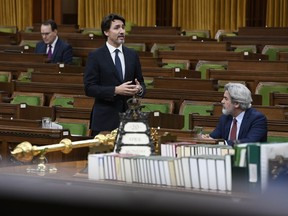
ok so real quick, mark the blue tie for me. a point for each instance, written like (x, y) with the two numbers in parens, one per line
(118, 64)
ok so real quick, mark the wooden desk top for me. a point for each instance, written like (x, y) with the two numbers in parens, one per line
(66, 191)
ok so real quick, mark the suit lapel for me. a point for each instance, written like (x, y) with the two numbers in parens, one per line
(127, 65)
(244, 123)
(56, 48)
(227, 127)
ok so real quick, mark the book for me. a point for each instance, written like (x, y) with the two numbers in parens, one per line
(119, 165)
(109, 168)
(212, 176)
(170, 173)
(203, 173)
(221, 174)
(150, 164)
(228, 172)
(96, 166)
(170, 149)
(186, 172)
(167, 164)
(162, 172)
(118, 168)
(240, 157)
(157, 171)
(178, 172)
(194, 172)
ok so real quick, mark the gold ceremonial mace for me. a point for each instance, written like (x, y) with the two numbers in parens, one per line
(25, 151)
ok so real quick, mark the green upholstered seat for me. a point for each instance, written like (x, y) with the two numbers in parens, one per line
(277, 139)
(30, 100)
(150, 107)
(157, 46)
(148, 82)
(188, 108)
(206, 66)
(63, 102)
(24, 76)
(245, 49)
(139, 47)
(222, 32)
(128, 27)
(272, 50)
(175, 65)
(198, 33)
(9, 29)
(79, 129)
(94, 31)
(222, 83)
(160, 105)
(4, 78)
(265, 88)
(30, 43)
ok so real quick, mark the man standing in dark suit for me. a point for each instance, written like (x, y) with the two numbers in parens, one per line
(250, 124)
(58, 50)
(110, 81)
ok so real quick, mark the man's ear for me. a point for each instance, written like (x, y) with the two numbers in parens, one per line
(236, 105)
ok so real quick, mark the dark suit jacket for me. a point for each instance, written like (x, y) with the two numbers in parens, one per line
(100, 79)
(62, 52)
(253, 128)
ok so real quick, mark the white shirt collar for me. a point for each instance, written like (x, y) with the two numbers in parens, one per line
(239, 118)
(54, 42)
(112, 48)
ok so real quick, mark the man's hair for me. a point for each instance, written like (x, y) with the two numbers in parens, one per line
(107, 20)
(50, 22)
(239, 93)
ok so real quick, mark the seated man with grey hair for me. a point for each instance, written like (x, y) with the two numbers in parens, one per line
(239, 123)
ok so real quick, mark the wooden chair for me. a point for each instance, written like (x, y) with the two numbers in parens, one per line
(278, 98)
(195, 107)
(197, 33)
(176, 63)
(82, 101)
(222, 83)
(5, 76)
(63, 100)
(9, 29)
(91, 31)
(161, 46)
(202, 66)
(272, 50)
(245, 48)
(161, 105)
(139, 47)
(30, 98)
(29, 43)
(265, 88)
(77, 127)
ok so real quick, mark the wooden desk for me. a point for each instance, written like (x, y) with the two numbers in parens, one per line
(65, 191)
(28, 130)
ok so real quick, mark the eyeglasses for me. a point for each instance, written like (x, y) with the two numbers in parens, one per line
(45, 33)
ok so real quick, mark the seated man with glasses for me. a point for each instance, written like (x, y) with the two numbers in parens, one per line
(58, 50)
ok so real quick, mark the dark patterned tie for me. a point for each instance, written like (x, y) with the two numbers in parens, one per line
(118, 64)
(233, 130)
(49, 51)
